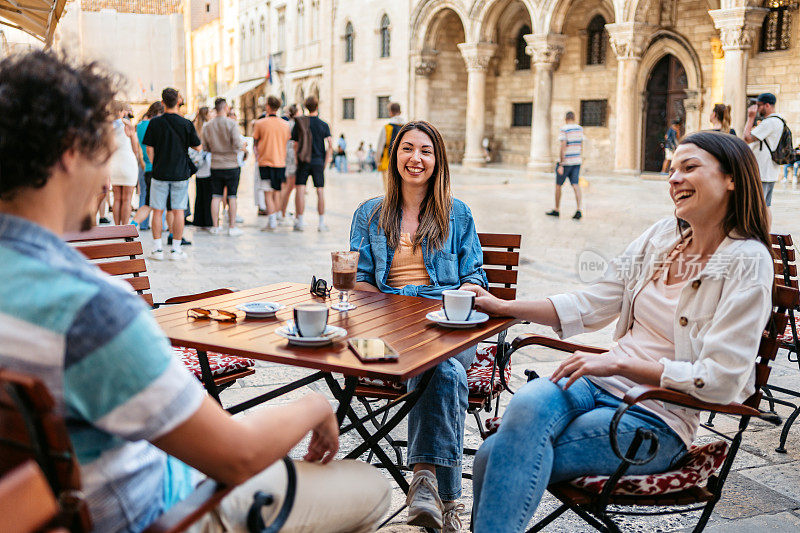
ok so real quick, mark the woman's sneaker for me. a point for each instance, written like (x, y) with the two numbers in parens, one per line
(424, 504)
(158, 255)
(451, 518)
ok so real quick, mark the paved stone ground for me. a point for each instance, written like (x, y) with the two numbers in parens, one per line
(763, 493)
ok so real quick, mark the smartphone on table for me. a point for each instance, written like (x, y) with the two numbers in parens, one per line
(373, 350)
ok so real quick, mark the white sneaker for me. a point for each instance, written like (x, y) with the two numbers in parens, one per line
(158, 255)
(299, 227)
(235, 232)
(451, 518)
(216, 230)
(424, 503)
(239, 219)
(323, 227)
(177, 255)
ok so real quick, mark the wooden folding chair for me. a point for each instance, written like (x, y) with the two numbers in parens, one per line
(117, 251)
(30, 430)
(488, 375)
(27, 505)
(695, 484)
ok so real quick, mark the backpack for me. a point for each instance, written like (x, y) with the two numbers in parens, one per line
(391, 133)
(784, 153)
(304, 140)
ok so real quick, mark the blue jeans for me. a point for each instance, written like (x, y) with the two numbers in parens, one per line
(549, 435)
(436, 423)
(145, 225)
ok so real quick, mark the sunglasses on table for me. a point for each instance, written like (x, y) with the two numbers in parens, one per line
(212, 314)
(319, 287)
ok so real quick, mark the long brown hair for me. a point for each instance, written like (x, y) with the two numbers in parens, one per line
(723, 114)
(155, 109)
(201, 119)
(434, 213)
(746, 216)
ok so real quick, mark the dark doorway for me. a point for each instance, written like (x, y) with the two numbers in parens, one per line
(665, 92)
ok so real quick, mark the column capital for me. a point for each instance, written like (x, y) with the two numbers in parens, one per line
(627, 39)
(477, 55)
(738, 26)
(545, 49)
(424, 63)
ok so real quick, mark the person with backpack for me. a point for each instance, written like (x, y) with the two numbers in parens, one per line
(386, 138)
(771, 141)
(314, 148)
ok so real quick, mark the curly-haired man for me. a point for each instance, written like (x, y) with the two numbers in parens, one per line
(137, 419)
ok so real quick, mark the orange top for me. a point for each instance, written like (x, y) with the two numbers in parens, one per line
(271, 135)
(408, 265)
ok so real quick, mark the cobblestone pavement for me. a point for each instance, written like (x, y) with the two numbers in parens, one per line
(762, 493)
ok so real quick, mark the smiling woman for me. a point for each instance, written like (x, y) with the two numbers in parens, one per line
(419, 241)
(690, 296)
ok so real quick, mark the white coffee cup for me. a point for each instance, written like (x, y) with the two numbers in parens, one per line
(310, 319)
(458, 305)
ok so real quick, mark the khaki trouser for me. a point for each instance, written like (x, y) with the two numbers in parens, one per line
(343, 496)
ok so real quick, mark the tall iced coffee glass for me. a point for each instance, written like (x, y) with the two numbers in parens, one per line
(344, 266)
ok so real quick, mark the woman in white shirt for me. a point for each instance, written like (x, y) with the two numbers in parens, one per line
(692, 295)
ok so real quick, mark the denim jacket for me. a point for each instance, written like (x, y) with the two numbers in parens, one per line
(458, 262)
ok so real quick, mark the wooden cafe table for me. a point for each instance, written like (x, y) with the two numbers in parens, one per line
(399, 320)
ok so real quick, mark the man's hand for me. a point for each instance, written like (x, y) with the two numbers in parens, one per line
(486, 302)
(324, 440)
(586, 364)
(752, 111)
(560, 170)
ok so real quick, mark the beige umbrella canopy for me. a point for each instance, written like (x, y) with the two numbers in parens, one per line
(36, 17)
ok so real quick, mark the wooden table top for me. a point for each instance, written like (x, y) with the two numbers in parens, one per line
(399, 320)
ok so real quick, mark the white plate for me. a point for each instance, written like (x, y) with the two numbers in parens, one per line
(331, 333)
(476, 318)
(260, 309)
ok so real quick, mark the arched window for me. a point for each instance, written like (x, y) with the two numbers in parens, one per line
(243, 44)
(252, 39)
(596, 41)
(349, 38)
(386, 42)
(262, 37)
(522, 60)
(776, 30)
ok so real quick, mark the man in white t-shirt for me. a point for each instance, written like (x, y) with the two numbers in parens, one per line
(763, 139)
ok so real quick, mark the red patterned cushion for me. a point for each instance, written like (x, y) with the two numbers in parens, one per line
(479, 373)
(787, 336)
(492, 425)
(220, 364)
(700, 463)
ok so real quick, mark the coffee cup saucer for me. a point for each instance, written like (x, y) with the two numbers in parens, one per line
(289, 332)
(260, 309)
(440, 318)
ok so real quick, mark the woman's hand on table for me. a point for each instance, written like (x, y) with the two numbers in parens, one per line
(486, 302)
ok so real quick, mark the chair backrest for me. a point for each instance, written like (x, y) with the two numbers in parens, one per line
(118, 252)
(27, 503)
(783, 299)
(501, 262)
(30, 429)
(784, 257)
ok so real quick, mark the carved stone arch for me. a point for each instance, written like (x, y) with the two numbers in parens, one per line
(556, 16)
(485, 15)
(427, 14)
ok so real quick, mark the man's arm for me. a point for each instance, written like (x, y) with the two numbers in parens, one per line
(151, 153)
(562, 151)
(328, 151)
(747, 135)
(234, 450)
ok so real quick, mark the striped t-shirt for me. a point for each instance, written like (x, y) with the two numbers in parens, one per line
(573, 134)
(108, 365)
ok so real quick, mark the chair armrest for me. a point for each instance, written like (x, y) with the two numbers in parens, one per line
(183, 514)
(541, 340)
(640, 393)
(186, 298)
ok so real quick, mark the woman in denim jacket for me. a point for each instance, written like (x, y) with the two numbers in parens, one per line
(419, 241)
(691, 297)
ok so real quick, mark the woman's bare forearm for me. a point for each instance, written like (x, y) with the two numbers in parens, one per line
(537, 311)
(365, 286)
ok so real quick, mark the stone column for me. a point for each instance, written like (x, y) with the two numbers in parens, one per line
(545, 51)
(476, 57)
(424, 66)
(738, 27)
(627, 41)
